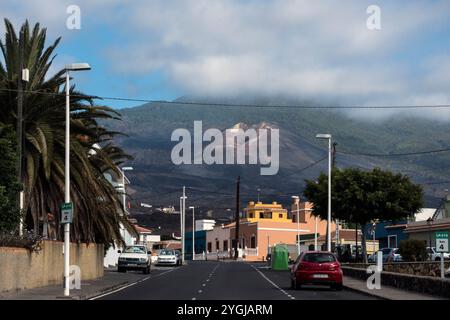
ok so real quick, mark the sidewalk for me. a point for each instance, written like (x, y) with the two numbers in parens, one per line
(386, 292)
(110, 281)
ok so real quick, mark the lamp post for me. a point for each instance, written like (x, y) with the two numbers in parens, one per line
(315, 234)
(193, 232)
(71, 67)
(328, 137)
(183, 222)
(297, 201)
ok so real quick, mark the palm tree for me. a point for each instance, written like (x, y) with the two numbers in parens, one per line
(97, 208)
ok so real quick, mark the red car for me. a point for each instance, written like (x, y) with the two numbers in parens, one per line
(316, 267)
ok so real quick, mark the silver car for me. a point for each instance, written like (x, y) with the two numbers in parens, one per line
(168, 258)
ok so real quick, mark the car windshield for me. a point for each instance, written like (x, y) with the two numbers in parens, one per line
(166, 253)
(319, 257)
(134, 249)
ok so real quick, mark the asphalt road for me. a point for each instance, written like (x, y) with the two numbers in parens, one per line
(212, 280)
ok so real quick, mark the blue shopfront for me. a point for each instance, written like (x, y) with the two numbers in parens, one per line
(389, 234)
(200, 243)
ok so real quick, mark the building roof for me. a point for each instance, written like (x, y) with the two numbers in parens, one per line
(347, 234)
(423, 226)
(140, 229)
(424, 214)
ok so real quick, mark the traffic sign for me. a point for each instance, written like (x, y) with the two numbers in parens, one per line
(66, 213)
(442, 241)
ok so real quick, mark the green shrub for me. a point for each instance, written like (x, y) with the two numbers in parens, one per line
(413, 250)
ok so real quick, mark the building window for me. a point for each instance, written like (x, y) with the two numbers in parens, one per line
(209, 246)
(217, 245)
(280, 215)
(392, 241)
(251, 215)
(225, 245)
(253, 242)
(265, 215)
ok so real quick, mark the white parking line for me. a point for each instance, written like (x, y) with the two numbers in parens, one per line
(272, 283)
(131, 284)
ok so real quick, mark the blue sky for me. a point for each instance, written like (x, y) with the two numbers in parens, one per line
(318, 49)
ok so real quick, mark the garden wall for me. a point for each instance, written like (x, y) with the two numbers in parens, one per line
(20, 269)
(427, 285)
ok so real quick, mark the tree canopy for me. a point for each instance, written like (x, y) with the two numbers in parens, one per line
(9, 186)
(97, 207)
(362, 196)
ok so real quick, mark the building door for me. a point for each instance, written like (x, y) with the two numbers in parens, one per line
(392, 241)
(253, 242)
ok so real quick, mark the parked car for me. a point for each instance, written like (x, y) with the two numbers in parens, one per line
(436, 256)
(168, 257)
(135, 257)
(317, 267)
(389, 255)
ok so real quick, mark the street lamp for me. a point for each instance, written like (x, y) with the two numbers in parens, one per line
(297, 201)
(71, 67)
(182, 222)
(328, 137)
(193, 232)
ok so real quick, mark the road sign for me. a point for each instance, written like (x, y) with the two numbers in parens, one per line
(66, 213)
(442, 241)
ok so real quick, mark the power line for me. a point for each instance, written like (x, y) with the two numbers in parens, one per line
(224, 104)
(394, 154)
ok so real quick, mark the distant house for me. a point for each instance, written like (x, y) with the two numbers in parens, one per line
(426, 228)
(390, 233)
(262, 226)
(146, 236)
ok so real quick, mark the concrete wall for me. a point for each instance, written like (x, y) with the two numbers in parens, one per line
(425, 268)
(20, 269)
(428, 285)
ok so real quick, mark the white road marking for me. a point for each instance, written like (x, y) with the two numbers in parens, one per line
(272, 283)
(131, 284)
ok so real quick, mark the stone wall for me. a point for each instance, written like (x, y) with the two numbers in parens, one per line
(20, 269)
(425, 268)
(426, 285)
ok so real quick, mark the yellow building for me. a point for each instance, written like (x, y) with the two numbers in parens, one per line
(265, 212)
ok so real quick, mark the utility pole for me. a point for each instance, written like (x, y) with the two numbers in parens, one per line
(333, 165)
(236, 253)
(184, 224)
(21, 76)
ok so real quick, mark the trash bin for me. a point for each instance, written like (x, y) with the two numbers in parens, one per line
(280, 257)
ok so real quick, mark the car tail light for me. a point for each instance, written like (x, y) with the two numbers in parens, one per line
(334, 266)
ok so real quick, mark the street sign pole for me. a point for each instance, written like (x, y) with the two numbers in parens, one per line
(442, 246)
(66, 220)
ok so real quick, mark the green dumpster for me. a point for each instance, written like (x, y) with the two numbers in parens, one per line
(280, 257)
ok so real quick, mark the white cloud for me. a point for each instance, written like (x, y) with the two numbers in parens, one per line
(302, 48)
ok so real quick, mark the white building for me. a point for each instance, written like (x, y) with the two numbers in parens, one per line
(119, 182)
(204, 224)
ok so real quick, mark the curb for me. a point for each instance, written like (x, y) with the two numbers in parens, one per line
(365, 292)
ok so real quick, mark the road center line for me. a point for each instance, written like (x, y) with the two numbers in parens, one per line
(131, 284)
(272, 283)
